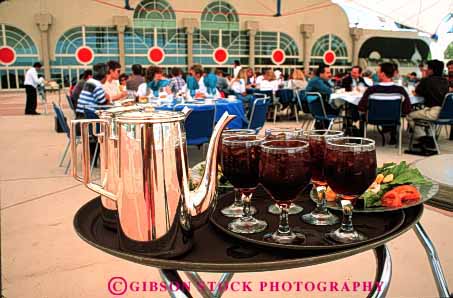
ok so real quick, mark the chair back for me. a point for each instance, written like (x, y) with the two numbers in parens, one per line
(70, 103)
(199, 124)
(447, 107)
(61, 118)
(258, 114)
(384, 109)
(316, 105)
(269, 95)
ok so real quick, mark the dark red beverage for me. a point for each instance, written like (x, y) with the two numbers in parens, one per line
(350, 168)
(240, 160)
(285, 168)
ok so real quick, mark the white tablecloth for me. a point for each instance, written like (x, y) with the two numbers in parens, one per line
(337, 99)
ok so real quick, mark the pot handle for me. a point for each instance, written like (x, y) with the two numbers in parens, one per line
(85, 142)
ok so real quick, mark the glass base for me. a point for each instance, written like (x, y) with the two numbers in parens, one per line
(346, 237)
(319, 218)
(294, 238)
(247, 226)
(236, 211)
(293, 209)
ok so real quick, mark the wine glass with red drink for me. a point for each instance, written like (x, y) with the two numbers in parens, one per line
(236, 209)
(284, 172)
(240, 161)
(317, 139)
(349, 168)
(283, 133)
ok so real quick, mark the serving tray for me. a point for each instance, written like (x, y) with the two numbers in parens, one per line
(375, 226)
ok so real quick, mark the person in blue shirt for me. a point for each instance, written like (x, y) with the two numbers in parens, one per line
(320, 83)
(154, 82)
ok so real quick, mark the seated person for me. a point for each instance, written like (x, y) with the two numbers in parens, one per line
(320, 83)
(297, 80)
(93, 96)
(269, 82)
(412, 78)
(386, 85)
(123, 81)
(367, 76)
(154, 83)
(450, 75)
(238, 87)
(222, 82)
(135, 79)
(432, 88)
(87, 74)
(196, 83)
(177, 83)
(251, 79)
(353, 80)
(112, 85)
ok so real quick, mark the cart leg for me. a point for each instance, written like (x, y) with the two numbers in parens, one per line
(383, 272)
(434, 261)
(172, 277)
(204, 290)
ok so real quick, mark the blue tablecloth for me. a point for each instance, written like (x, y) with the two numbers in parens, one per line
(232, 107)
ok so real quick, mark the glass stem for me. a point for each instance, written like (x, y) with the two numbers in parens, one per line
(283, 227)
(247, 201)
(237, 198)
(346, 224)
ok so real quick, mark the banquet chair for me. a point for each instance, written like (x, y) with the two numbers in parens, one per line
(71, 104)
(385, 110)
(198, 132)
(299, 95)
(62, 121)
(286, 98)
(271, 100)
(318, 111)
(258, 114)
(445, 118)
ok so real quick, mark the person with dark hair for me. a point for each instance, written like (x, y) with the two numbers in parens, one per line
(31, 84)
(421, 70)
(450, 75)
(154, 83)
(385, 73)
(320, 83)
(87, 74)
(112, 85)
(433, 89)
(412, 77)
(354, 79)
(177, 83)
(123, 81)
(236, 68)
(222, 82)
(136, 79)
(93, 96)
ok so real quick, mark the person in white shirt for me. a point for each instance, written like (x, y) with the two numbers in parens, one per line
(269, 82)
(238, 86)
(236, 68)
(31, 83)
(112, 85)
(297, 80)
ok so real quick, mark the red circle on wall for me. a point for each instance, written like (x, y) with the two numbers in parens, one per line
(156, 55)
(278, 56)
(84, 55)
(220, 55)
(7, 55)
(329, 57)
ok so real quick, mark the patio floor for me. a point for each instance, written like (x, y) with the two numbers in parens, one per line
(41, 255)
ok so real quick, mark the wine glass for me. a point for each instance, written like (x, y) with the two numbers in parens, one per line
(317, 140)
(283, 133)
(236, 209)
(284, 171)
(240, 158)
(349, 168)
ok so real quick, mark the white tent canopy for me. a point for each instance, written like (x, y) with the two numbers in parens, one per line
(423, 15)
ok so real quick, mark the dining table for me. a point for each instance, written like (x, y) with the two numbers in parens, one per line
(337, 99)
(232, 106)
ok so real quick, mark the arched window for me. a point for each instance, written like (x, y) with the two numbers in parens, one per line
(17, 53)
(219, 15)
(267, 42)
(329, 43)
(102, 42)
(154, 14)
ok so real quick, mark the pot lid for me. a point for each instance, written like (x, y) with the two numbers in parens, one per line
(118, 110)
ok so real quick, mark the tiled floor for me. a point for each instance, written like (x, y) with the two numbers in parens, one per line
(43, 257)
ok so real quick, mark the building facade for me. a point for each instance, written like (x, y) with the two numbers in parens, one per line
(70, 36)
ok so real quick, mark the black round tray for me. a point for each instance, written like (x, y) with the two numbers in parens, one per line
(374, 226)
(217, 252)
